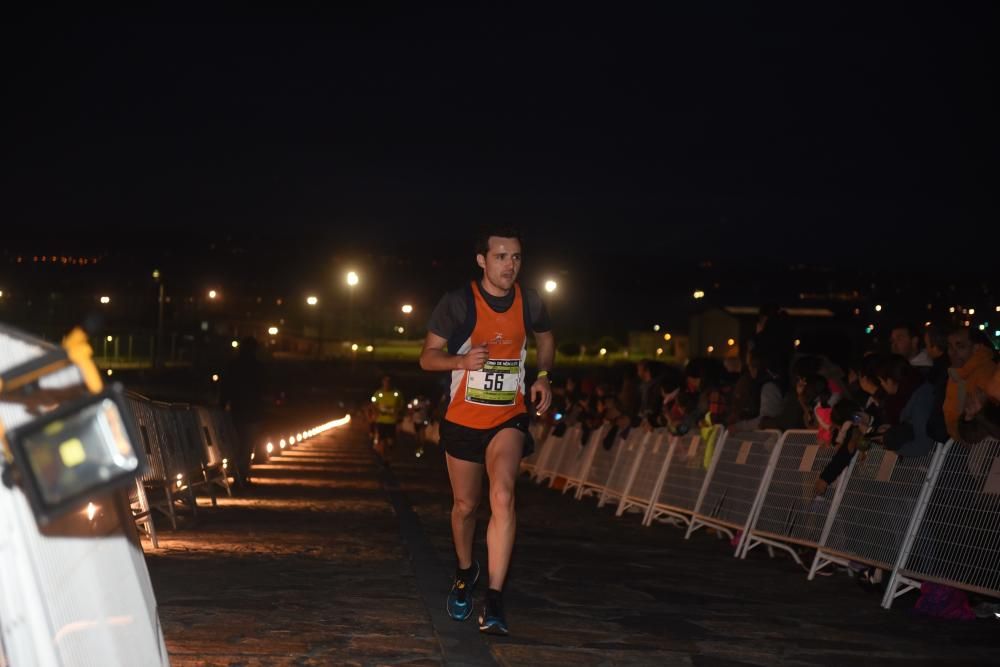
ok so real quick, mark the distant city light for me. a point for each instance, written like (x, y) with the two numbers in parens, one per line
(354, 347)
(667, 336)
(797, 342)
(870, 328)
(312, 301)
(212, 294)
(659, 351)
(156, 274)
(369, 348)
(972, 311)
(110, 372)
(604, 351)
(215, 377)
(952, 309)
(698, 294)
(273, 331)
(235, 344)
(656, 327)
(105, 299)
(982, 327)
(109, 338)
(551, 285)
(730, 342)
(407, 308)
(352, 278)
(711, 349)
(878, 308)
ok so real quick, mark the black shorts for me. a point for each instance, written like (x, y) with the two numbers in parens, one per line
(385, 430)
(469, 444)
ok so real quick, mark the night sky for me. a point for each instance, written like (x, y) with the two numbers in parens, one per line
(709, 130)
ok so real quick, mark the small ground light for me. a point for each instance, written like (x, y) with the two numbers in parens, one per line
(215, 377)
(282, 443)
(270, 447)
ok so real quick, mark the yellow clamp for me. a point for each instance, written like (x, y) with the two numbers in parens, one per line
(82, 355)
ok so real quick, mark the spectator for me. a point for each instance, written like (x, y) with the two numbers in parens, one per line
(972, 369)
(904, 340)
(241, 393)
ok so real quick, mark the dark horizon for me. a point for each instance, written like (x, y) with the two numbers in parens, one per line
(815, 135)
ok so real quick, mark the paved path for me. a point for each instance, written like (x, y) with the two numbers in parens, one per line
(330, 561)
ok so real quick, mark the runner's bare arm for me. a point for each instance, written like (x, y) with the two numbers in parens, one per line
(435, 356)
(541, 391)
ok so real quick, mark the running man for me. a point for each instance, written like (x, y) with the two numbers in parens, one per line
(479, 333)
(387, 407)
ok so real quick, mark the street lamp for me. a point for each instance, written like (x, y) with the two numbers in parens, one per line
(352, 281)
(212, 294)
(105, 300)
(407, 309)
(550, 286)
(311, 300)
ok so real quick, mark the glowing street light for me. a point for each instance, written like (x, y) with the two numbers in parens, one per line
(212, 294)
(656, 327)
(550, 286)
(235, 344)
(105, 300)
(273, 331)
(667, 336)
(407, 308)
(878, 308)
(698, 294)
(311, 300)
(354, 347)
(369, 348)
(352, 278)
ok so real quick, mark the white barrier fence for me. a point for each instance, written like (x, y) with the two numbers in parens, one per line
(932, 518)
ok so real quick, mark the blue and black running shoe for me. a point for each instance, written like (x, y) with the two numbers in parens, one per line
(492, 620)
(460, 595)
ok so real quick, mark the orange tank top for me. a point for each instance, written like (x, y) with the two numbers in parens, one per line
(488, 397)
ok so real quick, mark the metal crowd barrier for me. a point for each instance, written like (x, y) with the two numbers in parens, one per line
(683, 477)
(625, 467)
(638, 494)
(549, 465)
(602, 460)
(869, 520)
(790, 512)
(575, 462)
(956, 540)
(734, 481)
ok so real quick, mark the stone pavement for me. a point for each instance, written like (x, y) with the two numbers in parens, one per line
(330, 561)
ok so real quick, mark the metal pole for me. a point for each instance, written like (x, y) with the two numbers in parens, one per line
(158, 354)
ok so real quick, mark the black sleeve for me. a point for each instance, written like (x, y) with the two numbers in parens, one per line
(448, 314)
(537, 311)
(841, 459)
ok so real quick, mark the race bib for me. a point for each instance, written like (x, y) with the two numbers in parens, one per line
(496, 384)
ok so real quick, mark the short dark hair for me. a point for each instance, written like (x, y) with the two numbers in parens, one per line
(502, 231)
(937, 336)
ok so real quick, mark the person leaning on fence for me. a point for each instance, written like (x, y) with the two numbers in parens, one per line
(972, 368)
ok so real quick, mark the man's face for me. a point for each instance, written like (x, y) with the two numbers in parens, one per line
(902, 343)
(959, 348)
(502, 262)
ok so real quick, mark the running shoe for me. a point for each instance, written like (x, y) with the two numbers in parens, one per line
(460, 595)
(492, 620)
